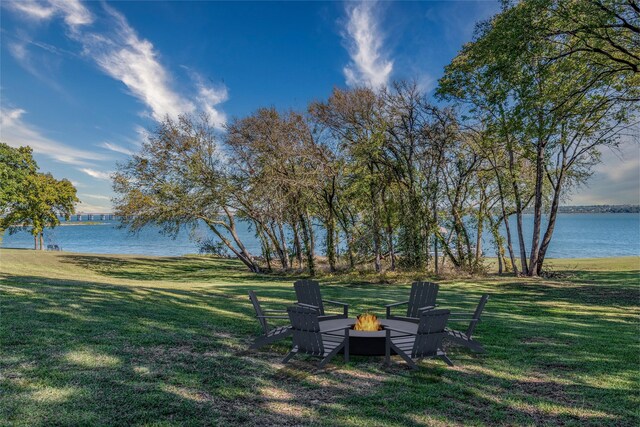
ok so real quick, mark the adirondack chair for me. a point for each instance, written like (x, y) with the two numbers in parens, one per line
(308, 294)
(307, 338)
(270, 334)
(423, 297)
(464, 338)
(425, 342)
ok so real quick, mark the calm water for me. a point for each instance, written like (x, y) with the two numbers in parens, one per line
(575, 236)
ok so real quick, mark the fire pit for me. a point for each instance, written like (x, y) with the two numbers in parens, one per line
(368, 342)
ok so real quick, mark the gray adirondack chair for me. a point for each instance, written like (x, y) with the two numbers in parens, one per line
(307, 338)
(465, 338)
(425, 342)
(423, 297)
(270, 334)
(308, 294)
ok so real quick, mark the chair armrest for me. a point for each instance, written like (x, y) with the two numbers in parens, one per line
(345, 306)
(388, 306)
(427, 307)
(397, 303)
(301, 304)
(272, 317)
(402, 331)
(335, 302)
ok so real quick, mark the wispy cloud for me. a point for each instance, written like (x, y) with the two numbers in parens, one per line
(123, 55)
(94, 196)
(96, 174)
(208, 97)
(116, 148)
(72, 11)
(369, 65)
(33, 64)
(16, 132)
(616, 178)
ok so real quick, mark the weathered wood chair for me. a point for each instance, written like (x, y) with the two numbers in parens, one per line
(307, 338)
(425, 342)
(270, 334)
(308, 294)
(465, 338)
(423, 297)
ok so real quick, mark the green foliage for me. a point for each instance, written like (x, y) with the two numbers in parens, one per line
(31, 199)
(16, 165)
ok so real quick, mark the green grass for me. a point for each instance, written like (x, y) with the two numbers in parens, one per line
(128, 340)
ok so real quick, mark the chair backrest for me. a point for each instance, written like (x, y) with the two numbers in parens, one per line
(308, 292)
(477, 314)
(256, 305)
(305, 330)
(422, 294)
(430, 333)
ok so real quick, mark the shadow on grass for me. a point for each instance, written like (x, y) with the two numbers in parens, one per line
(77, 352)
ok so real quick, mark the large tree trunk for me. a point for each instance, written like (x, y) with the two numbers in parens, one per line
(41, 241)
(35, 242)
(297, 247)
(246, 260)
(308, 244)
(537, 211)
(518, 202)
(480, 220)
(377, 246)
(505, 218)
(330, 226)
(312, 234)
(284, 250)
(552, 223)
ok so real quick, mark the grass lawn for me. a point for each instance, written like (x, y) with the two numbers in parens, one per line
(129, 340)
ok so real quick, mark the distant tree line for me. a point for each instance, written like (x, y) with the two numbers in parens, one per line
(30, 199)
(597, 209)
(396, 180)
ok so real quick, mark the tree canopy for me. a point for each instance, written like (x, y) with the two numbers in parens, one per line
(391, 179)
(30, 199)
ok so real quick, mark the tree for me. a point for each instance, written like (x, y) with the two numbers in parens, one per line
(553, 111)
(180, 179)
(29, 199)
(16, 164)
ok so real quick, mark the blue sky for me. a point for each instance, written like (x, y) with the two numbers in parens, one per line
(80, 82)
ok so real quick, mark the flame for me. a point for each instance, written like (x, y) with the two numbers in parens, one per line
(367, 322)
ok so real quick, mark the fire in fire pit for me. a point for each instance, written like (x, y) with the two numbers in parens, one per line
(367, 322)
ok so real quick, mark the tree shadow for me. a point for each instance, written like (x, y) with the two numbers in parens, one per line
(87, 352)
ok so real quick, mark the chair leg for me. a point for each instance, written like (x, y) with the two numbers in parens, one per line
(289, 356)
(446, 359)
(387, 348)
(346, 346)
(476, 346)
(330, 355)
(405, 356)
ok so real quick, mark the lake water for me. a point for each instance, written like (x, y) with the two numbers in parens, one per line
(575, 236)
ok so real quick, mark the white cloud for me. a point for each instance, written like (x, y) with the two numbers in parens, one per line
(126, 57)
(123, 55)
(209, 97)
(369, 66)
(72, 11)
(95, 196)
(96, 174)
(16, 132)
(83, 207)
(616, 179)
(117, 148)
